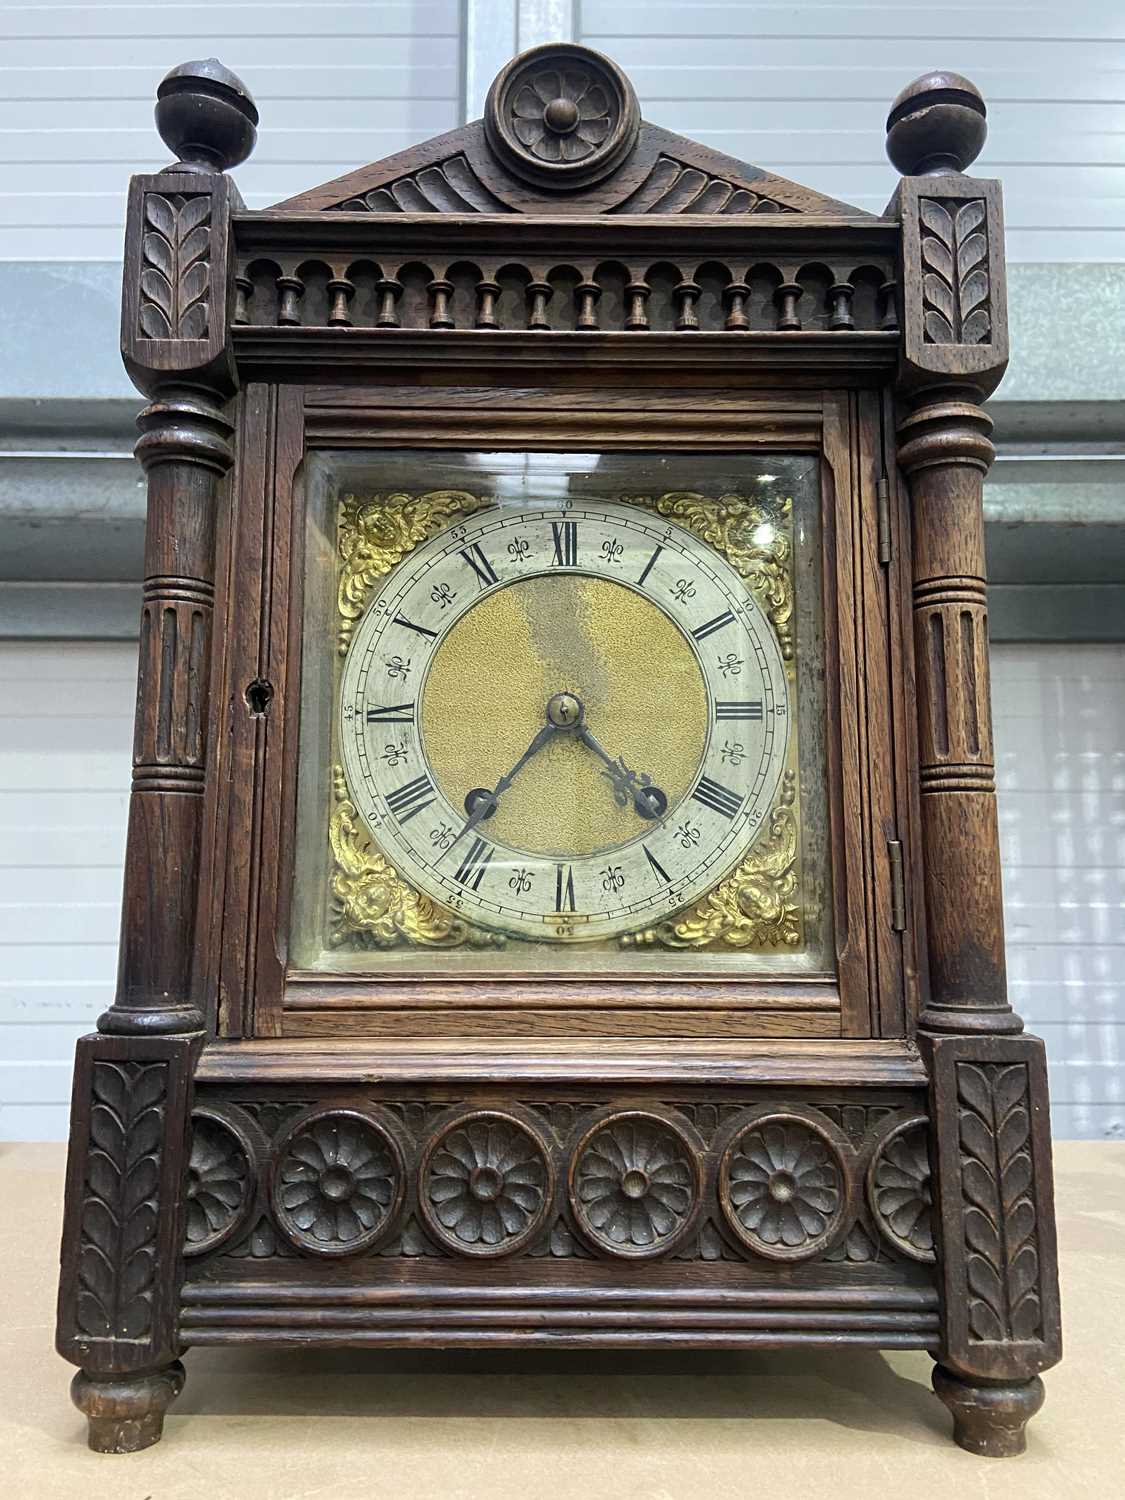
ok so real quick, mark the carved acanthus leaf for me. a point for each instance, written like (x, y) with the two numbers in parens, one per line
(175, 266)
(999, 1215)
(120, 1210)
(955, 287)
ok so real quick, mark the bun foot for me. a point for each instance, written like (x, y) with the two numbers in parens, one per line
(125, 1413)
(989, 1420)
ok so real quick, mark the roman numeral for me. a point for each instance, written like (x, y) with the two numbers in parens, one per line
(656, 866)
(480, 564)
(564, 888)
(391, 713)
(703, 631)
(564, 534)
(410, 625)
(648, 565)
(475, 864)
(751, 710)
(410, 799)
(717, 797)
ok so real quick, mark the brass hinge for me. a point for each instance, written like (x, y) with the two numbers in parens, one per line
(898, 886)
(883, 514)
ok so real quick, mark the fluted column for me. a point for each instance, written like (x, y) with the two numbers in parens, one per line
(944, 451)
(185, 450)
(990, 1145)
(130, 1140)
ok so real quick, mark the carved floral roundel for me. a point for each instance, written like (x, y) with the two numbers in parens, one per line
(220, 1182)
(486, 1184)
(337, 1181)
(635, 1184)
(561, 116)
(783, 1186)
(898, 1189)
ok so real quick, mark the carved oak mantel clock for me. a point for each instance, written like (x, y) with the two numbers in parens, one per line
(562, 901)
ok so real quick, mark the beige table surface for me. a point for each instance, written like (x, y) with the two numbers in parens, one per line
(262, 1425)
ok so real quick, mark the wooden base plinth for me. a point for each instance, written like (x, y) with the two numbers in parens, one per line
(989, 1420)
(126, 1412)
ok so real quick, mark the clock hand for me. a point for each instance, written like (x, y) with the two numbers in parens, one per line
(648, 800)
(481, 803)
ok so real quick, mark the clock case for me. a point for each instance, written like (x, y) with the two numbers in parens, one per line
(860, 1160)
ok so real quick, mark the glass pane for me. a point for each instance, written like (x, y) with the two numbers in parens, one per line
(562, 711)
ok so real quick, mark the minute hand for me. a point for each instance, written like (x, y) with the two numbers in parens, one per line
(648, 800)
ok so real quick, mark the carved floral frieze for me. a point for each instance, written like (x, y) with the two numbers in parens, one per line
(729, 1181)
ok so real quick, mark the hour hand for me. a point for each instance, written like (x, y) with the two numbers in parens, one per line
(482, 803)
(648, 800)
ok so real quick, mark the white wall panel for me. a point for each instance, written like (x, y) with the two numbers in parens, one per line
(336, 85)
(804, 90)
(1060, 759)
(66, 712)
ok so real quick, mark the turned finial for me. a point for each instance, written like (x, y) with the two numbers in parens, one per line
(205, 114)
(937, 124)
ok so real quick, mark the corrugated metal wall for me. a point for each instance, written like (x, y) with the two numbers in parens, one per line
(336, 85)
(804, 90)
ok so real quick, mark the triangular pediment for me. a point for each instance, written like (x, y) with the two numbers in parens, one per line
(589, 153)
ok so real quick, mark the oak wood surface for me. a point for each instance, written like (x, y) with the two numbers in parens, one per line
(482, 292)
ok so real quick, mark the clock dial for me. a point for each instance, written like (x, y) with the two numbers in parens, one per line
(565, 723)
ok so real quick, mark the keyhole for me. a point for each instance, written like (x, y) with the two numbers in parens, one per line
(259, 695)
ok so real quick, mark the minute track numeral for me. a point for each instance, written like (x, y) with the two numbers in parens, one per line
(564, 888)
(474, 556)
(474, 866)
(717, 797)
(413, 797)
(391, 713)
(564, 534)
(734, 710)
(701, 632)
(418, 629)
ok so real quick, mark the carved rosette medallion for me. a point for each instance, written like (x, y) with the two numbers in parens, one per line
(783, 1186)
(219, 1191)
(635, 1183)
(486, 1184)
(337, 1181)
(899, 1190)
(561, 116)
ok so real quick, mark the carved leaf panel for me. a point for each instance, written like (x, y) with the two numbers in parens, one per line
(120, 1210)
(1002, 1256)
(955, 283)
(175, 266)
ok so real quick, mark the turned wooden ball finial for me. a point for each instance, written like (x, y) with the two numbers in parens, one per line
(937, 124)
(205, 114)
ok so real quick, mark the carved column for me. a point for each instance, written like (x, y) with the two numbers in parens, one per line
(990, 1144)
(123, 1226)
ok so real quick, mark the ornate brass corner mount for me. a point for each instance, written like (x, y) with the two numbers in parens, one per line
(756, 907)
(375, 532)
(756, 538)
